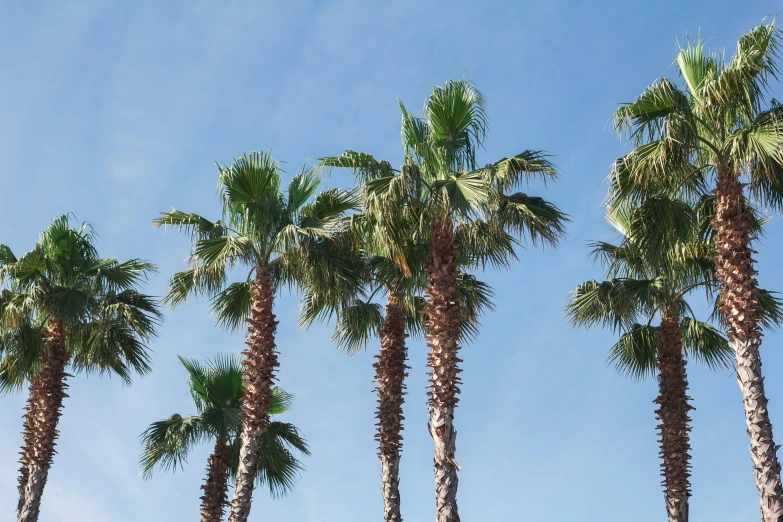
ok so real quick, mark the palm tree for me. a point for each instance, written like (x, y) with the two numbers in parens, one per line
(66, 308)
(720, 125)
(662, 257)
(359, 319)
(281, 238)
(362, 318)
(216, 388)
(462, 207)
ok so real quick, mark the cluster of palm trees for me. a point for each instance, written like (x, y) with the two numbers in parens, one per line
(708, 153)
(397, 256)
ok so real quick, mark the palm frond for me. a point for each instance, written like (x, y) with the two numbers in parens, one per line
(475, 299)
(232, 305)
(356, 325)
(533, 218)
(614, 304)
(483, 243)
(415, 135)
(325, 214)
(167, 443)
(770, 308)
(278, 467)
(457, 122)
(696, 67)
(197, 226)
(364, 166)
(281, 401)
(645, 117)
(462, 192)
(250, 185)
(302, 187)
(108, 346)
(6, 255)
(740, 85)
(516, 171)
(634, 354)
(112, 276)
(20, 355)
(705, 344)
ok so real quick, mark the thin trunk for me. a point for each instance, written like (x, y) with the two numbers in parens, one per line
(740, 307)
(50, 381)
(28, 438)
(673, 414)
(443, 319)
(216, 487)
(390, 373)
(258, 378)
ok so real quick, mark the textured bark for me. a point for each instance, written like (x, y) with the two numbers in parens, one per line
(216, 487)
(443, 318)
(673, 414)
(28, 437)
(48, 402)
(258, 378)
(740, 307)
(390, 373)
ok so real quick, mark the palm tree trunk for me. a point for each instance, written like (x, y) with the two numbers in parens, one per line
(673, 414)
(216, 487)
(50, 386)
(28, 432)
(390, 373)
(740, 308)
(258, 378)
(443, 319)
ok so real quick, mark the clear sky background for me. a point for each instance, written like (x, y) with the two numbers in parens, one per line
(116, 111)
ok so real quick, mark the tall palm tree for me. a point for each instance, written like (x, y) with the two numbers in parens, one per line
(362, 318)
(720, 125)
(462, 206)
(66, 309)
(216, 388)
(282, 237)
(650, 278)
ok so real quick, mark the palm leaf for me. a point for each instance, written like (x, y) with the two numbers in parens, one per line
(167, 443)
(705, 344)
(356, 325)
(634, 354)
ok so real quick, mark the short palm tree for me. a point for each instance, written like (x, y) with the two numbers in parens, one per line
(66, 308)
(719, 125)
(461, 206)
(282, 237)
(650, 278)
(216, 388)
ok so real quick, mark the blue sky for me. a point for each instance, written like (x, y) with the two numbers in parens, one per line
(117, 111)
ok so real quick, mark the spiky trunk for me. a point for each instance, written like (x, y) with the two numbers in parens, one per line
(216, 487)
(258, 378)
(443, 318)
(28, 437)
(740, 308)
(673, 414)
(49, 385)
(390, 373)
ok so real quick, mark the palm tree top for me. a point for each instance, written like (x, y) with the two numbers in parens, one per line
(217, 392)
(292, 232)
(665, 253)
(440, 165)
(439, 173)
(108, 321)
(218, 384)
(717, 117)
